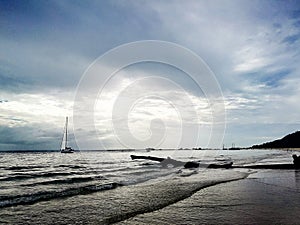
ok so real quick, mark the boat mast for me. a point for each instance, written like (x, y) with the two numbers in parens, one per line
(66, 142)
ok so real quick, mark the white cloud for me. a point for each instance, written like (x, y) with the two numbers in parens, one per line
(35, 108)
(254, 53)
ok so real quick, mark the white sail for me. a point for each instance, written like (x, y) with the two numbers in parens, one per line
(64, 143)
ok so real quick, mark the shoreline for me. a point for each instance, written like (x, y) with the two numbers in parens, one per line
(285, 149)
(262, 198)
(120, 204)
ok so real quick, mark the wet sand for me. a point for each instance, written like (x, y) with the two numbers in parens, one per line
(266, 197)
(211, 196)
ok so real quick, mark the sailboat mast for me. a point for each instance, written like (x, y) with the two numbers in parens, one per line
(66, 142)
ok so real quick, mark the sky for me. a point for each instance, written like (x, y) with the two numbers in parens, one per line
(46, 47)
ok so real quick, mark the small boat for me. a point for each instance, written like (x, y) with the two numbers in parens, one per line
(64, 143)
(150, 149)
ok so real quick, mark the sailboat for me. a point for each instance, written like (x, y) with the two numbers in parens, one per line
(64, 143)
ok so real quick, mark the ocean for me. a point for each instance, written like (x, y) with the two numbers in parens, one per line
(104, 187)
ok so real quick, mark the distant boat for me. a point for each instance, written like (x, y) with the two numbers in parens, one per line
(150, 149)
(64, 143)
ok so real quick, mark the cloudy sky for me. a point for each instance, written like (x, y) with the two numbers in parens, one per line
(251, 47)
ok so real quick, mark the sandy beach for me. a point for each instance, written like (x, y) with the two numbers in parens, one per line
(268, 197)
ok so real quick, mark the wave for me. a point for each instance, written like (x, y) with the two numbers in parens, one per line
(21, 176)
(71, 180)
(22, 167)
(162, 194)
(49, 195)
(70, 166)
(18, 176)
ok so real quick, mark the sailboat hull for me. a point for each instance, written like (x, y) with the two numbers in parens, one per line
(66, 151)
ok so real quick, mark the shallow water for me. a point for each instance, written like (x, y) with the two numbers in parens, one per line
(118, 204)
(106, 187)
(268, 197)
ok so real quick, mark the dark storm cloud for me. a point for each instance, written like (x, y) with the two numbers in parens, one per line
(29, 138)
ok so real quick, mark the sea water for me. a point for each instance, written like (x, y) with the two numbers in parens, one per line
(103, 187)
